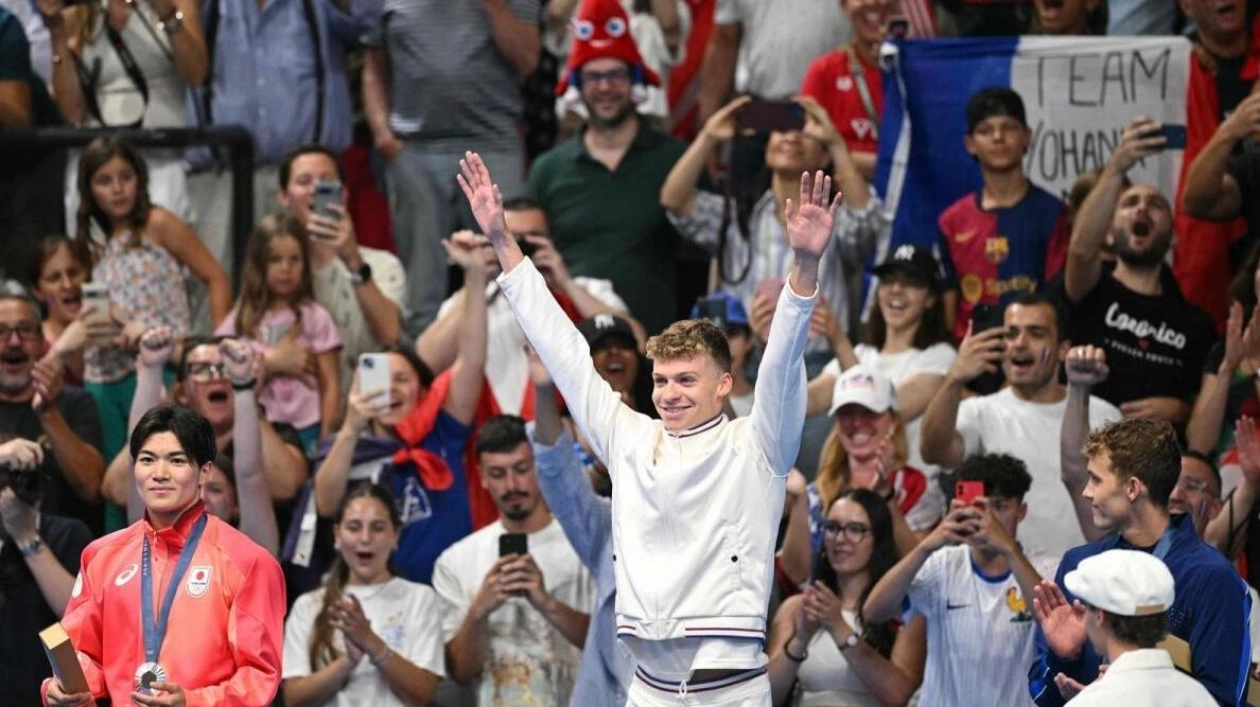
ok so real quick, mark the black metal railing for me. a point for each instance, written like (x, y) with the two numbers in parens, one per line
(238, 150)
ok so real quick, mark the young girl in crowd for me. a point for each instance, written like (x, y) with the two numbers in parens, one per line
(866, 449)
(138, 251)
(367, 637)
(818, 640)
(58, 276)
(277, 305)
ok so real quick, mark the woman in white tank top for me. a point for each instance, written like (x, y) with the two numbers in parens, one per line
(821, 652)
(128, 63)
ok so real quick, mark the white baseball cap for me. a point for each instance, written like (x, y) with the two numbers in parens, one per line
(1123, 582)
(865, 386)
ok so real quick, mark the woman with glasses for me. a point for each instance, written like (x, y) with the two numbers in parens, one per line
(821, 650)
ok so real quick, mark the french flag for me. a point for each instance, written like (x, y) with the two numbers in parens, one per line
(1079, 93)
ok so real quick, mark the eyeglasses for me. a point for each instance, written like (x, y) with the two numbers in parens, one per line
(853, 532)
(205, 372)
(616, 76)
(1192, 485)
(26, 331)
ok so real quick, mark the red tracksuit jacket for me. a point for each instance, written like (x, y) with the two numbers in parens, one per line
(226, 629)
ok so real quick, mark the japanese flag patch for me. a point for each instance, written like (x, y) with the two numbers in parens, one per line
(198, 580)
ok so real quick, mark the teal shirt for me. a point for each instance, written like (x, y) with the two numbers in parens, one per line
(610, 224)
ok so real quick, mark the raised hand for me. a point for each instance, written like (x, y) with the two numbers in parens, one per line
(156, 347)
(960, 523)
(1139, 141)
(465, 249)
(818, 123)
(521, 576)
(1244, 121)
(484, 197)
(1086, 366)
(242, 363)
(1233, 341)
(828, 609)
(979, 352)
(1248, 449)
(720, 126)
(1063, 624)
(809, 221)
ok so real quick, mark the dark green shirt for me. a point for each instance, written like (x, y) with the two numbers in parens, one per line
(610, 224)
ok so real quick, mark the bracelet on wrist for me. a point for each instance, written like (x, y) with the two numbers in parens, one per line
(382, 656)
(787, 651)
(244, 385)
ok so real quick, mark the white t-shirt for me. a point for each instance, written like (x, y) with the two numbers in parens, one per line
(507, 366)
(900, 367)
(404, 614)
(780, 38)
(530, 662)
(335, 292)
(1003, 423)
(826, 677)
(979, 631)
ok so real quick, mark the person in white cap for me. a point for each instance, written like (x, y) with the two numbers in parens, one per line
(1127, 594)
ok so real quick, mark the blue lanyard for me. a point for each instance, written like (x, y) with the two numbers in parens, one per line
(154, 634)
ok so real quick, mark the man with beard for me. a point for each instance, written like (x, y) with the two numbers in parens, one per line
(602, 187)
(1010, 236)
(56, 426)
(515, 621)
(1155, 341)
(1023, 419)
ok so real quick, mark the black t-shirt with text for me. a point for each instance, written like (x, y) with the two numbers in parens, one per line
(1155, 346)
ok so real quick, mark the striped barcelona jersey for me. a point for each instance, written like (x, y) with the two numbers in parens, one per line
(990, 256)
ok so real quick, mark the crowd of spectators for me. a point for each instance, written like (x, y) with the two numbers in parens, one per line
(990, 421)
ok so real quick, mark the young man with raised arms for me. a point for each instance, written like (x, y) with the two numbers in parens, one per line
(697, 497)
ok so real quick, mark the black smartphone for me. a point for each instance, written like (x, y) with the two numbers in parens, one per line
(1174, 135)
(898, 28)
(770, 116)
(513, 544)
(983, 318)
(527, 248)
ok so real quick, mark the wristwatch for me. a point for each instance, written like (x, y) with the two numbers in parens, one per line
(362, 275)
(849, 642)
(31, 547)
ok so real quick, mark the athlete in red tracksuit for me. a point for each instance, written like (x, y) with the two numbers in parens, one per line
(226, 624)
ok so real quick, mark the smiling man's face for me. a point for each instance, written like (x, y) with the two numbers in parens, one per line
(617, 362)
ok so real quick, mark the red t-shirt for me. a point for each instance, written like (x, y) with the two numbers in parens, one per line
(830, 81)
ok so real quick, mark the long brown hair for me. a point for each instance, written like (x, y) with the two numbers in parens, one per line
(833, 463)
(95, 155)
(321, 649)
(255, 298)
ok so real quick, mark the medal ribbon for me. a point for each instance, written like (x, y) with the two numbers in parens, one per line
(154, 634)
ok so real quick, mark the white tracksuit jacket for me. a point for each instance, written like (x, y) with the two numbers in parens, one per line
(695, 514)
